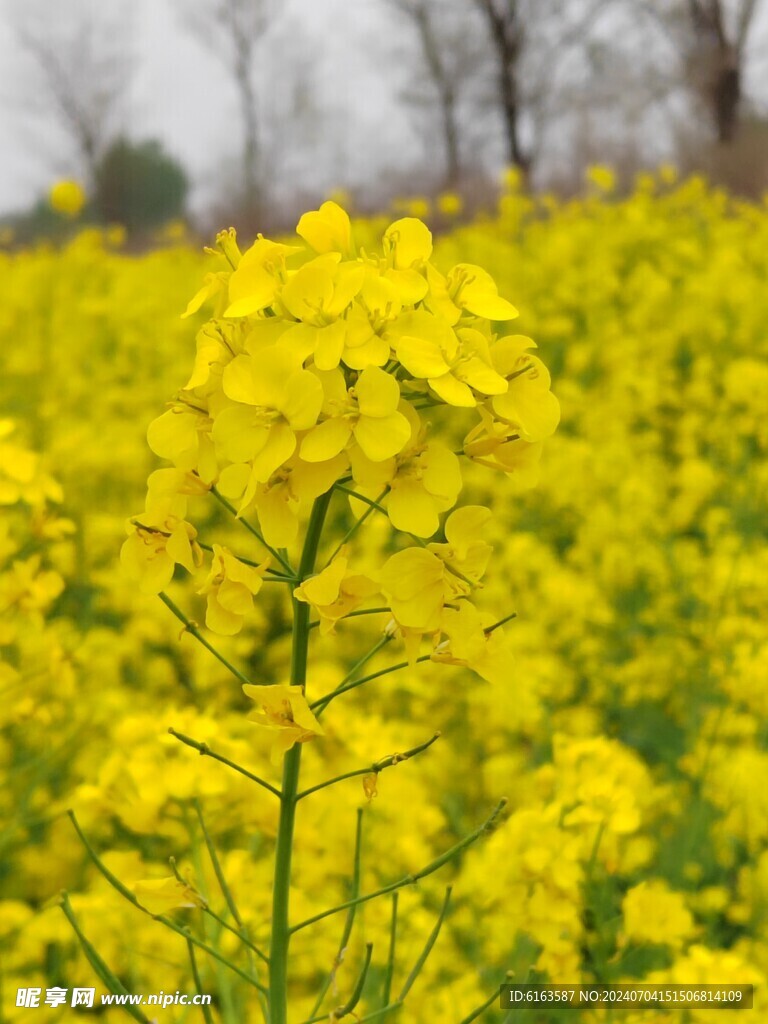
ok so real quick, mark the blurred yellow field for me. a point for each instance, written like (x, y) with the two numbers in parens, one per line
(621, 712)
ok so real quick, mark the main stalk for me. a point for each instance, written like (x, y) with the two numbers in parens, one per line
(278, 953)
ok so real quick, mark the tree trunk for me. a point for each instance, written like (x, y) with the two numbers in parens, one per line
(450, 138)
(726, 96)
(506, 36)
(446, 93)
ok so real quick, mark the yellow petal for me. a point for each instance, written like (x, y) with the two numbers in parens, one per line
(482, 377)
(374, 352)
(302, 400)
(280, 446)
(329, 345)
(311, 479)
(384, 437)
(409, 240)
(221, 621)
(467, 526)
(239, 433)
(422, 357)
(377, 393)
(237, 380)
(477, 292)
(174, 435)
(327, 229)
(324, 588)
(234, 480)
(411, 509)
(325, 441)
(308, 292)
(179, 548)
(453, 391)
(277, 517)
(159, 895)
(441, 475)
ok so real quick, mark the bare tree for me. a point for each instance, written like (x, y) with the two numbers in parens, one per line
(447, 36)
(82, 65)
(715, 59)
(531, 44)
(506, 27)
(711, 40)
(233, 30)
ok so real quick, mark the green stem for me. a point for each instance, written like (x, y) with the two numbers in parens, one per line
(354, 999)
(355, 615)
(273, 577)
(378, 766)
(190, 627)
(105, 975)
(500, 623)
(361, 497)
(239, 933)
(492, 998)
(418, 966)
(356, 526)
(348, 683)
(390, 971)
(281, 932)
(204, 749)
(438, 862)
(472, 584)
(207, 1016)
(320, 705)
(349, 923)
(124, 891)
(377, 1014)
(253, 531)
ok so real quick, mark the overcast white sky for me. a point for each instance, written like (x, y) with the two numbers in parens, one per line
(181, 95)
(336, 60)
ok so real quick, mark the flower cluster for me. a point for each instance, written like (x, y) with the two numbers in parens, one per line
(319, 362)
(319, 368)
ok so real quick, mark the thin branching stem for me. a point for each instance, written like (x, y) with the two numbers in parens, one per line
(378, 1014)
(346, 933)
(355, 526)
(185, 933)
(349, 683)
(235, 931)
(322, 703)
(473, 584)
(193, 629)
(412, 879)
(273, 575)
(356, 614)
(105, 975)
(225, 890)
(354, 999)
(390, 969)
(500, 623)
(206, 1010)
(492, 998)
(254, 532)
(372, 769)
(204, 749)
(361, 497)
(419, 965)
(216, 864)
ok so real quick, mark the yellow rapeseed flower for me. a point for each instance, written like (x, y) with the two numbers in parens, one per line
(67, 197)
(284, 712)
